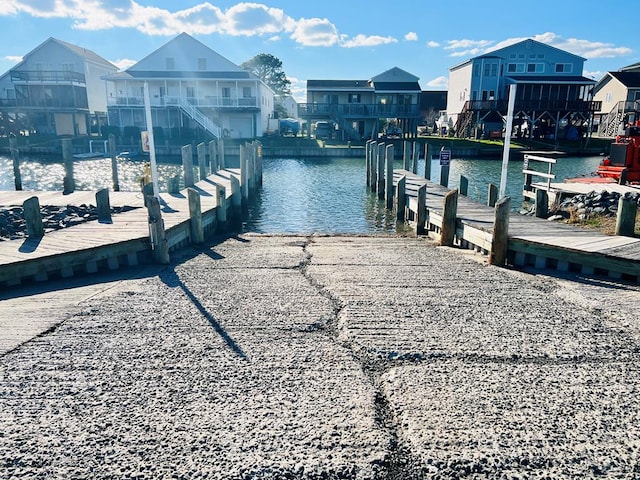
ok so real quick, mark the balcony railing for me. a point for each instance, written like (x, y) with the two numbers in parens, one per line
(357, 110)
(18, 76)
(200, 102)
(537, 105)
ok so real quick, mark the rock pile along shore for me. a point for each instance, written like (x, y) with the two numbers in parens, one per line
(326, 358)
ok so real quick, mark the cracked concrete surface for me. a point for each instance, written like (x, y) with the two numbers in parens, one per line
(323, 357)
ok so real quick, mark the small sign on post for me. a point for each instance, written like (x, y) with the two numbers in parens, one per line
(445, 157)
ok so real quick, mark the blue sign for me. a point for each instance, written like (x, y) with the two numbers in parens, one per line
(445, 158)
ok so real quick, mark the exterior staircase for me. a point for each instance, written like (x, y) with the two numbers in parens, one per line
(464, 122)
(200, 118)
(611, 122)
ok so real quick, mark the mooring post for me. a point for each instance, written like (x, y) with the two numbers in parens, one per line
(380, 167)
(542, 203)
(449, 215)
(221, 207)
(414, 158)
(367, 162)
(258, 156)
(626, 218)
(401, 198)
(444, 175)
(213, 156)
(222, 163)
(373, 184)
(187, 165)
(463, 188)
(427, 162)
(421, 214)
(236, 202)
(103, 206)
(195, 216)
(623, 177)
(15, 158)
(114, 162)
(500, 236)
(492, 195)
(157, 235)
(33, 217)
(244, 176)
(406, 155)
(201, 152)
(388, 164)
(69, 184)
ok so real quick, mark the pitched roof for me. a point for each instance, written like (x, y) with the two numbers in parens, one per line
(394, 75)
(339, 84)
(80, 51)
(628, 79)
(185, 52)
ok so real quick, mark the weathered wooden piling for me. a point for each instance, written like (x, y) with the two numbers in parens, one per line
(114, 162)
(492, 195)
(388, 175)
(221, 207)
(427, 162)
(244, 175)
(373, 183)
(236, 201)
(15, 158)
(222, 162)
(69, 184)
(449, 215)
(213, 156)
(380, 170)
(414, 158)
(33, 217)
(626, 218)
(201, 152)
(187, 165)
(406, 155)
(500, 235)
(542, 203)
(421, 214)
(103, 206)
(401, 198)
(463, 188)
(444, 175)
(195, 216)
(367, 162)
(157, 234)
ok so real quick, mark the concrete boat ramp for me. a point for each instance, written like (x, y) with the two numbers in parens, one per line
(349, 357)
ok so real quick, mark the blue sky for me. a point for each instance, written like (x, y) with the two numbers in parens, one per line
(329, 39)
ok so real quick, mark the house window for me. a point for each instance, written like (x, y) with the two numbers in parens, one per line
(515, 67)
(608, 97)
(191, 92)
(564, 67)
(535, 67)
(202, 64)
(171, 63)
(354, 98)
(636, 96)
(246, 92)
(226, 92)
(476, 70)
(491, 69)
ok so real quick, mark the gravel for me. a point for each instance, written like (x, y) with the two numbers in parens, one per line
(329, 357)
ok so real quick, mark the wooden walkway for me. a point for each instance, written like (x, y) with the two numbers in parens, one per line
(93, 246)
(532, 241)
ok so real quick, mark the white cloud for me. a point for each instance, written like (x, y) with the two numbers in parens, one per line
(441, 81)
(256, 19)
(123, 63)
(315, 32)
(432, 44)
(367, 41)
(411, 37)
(13, 58)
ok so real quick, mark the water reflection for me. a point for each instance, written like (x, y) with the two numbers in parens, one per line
(315, 195)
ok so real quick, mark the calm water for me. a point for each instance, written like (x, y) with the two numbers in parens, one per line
(300, 195)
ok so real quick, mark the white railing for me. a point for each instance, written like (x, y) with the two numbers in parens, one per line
(202, 102)
(200, 117)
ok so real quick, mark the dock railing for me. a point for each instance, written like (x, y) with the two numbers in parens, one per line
(528, 192)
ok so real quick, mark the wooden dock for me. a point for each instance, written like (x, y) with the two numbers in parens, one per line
(532, 241)
(95, 246)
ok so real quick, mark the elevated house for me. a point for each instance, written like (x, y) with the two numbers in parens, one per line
(56, 89)
(359, 107)
(619, 94)
(551, 93)
(191, 89)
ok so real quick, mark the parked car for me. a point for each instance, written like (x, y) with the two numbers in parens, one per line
(323, 130)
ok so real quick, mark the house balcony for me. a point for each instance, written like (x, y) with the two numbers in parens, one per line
(44, 104)
(36, 76)
(357, 110)
(582, 106)
(217, 102)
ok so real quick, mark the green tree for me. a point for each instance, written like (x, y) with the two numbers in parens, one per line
(269, 69)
